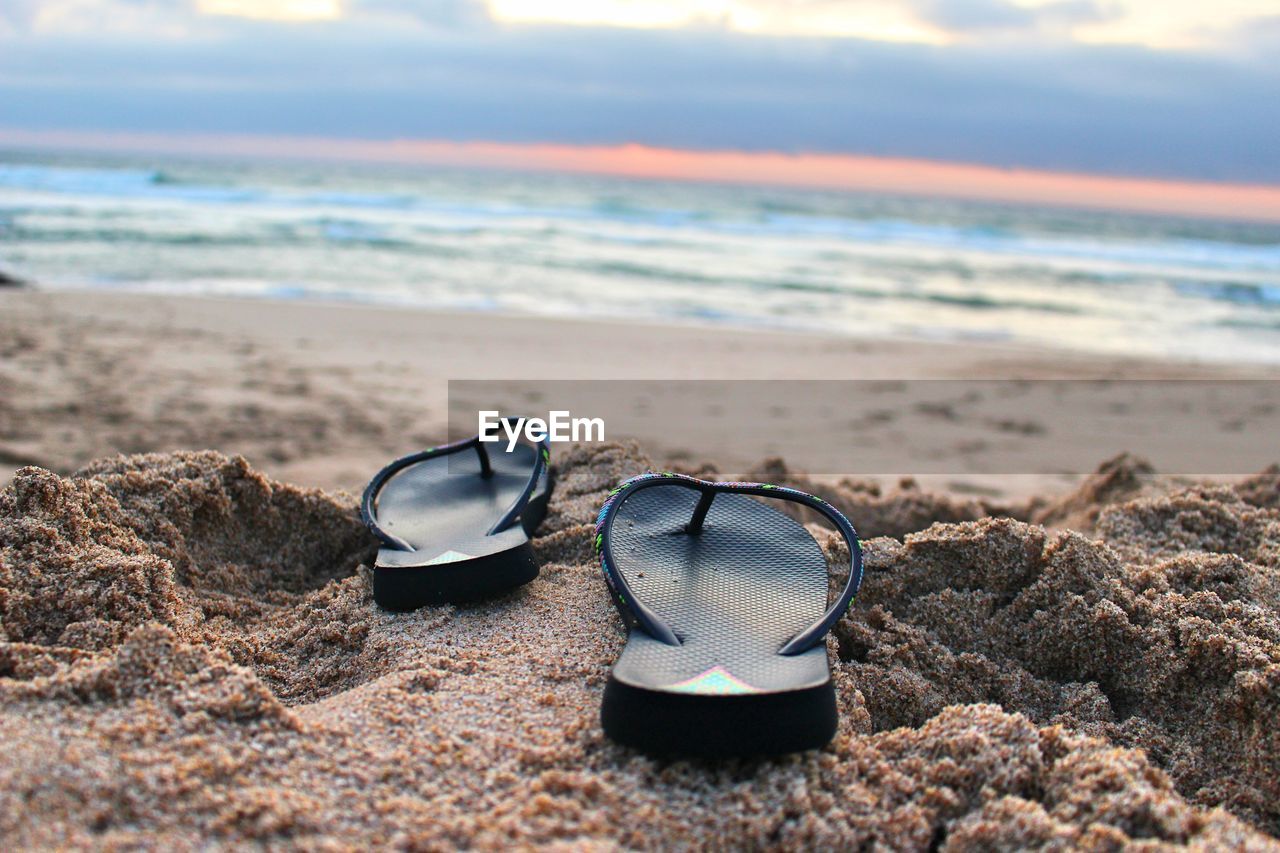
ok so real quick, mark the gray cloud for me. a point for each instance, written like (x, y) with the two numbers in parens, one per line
(19, 13)
(974, 16)
(1031, 104)
(1260, 36)
(966, 15)
(446, 14)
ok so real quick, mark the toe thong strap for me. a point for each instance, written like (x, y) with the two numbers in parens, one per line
(537, 479)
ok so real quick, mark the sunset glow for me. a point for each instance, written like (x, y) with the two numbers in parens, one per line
(814, 171)
(1176, 90)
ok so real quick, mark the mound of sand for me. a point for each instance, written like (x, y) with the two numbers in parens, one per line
(907, 509)
(192, 651)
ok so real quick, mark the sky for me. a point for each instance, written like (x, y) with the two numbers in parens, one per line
(1175, 90)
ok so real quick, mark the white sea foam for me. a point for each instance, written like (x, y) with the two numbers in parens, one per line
(593, 247)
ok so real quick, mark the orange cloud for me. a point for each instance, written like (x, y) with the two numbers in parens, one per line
(875, 174)
(819, 171)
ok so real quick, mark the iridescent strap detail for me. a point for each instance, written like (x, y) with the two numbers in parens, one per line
(636, 614)
(542, 460)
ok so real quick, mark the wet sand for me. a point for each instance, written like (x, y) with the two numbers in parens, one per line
(191, 653)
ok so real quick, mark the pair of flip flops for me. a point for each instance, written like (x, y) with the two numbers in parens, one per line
(725, 596)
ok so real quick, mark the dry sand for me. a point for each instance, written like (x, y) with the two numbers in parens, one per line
(323, 395)
(193, 652)
(190, 651)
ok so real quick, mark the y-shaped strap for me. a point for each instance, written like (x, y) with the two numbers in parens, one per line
(636, 614)
(541, 461)
(371, 491)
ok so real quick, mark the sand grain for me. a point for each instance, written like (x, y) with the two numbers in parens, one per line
(191, 652)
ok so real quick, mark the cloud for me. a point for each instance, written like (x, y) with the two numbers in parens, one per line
(1034, 104)
(976, 16)
(967, 15)
(1260, 35)
(159, 18)
(20, 14)
(274, 10)
(919, 21)
(446, 14)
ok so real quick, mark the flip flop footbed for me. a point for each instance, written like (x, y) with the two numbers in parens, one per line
(443, 507)
(734, 594)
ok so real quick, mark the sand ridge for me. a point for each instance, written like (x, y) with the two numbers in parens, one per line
(191, 651)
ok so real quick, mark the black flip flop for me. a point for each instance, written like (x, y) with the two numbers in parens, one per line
(725, 598)
(455, 526)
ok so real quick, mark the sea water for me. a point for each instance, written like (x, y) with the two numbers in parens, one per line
(576, 246)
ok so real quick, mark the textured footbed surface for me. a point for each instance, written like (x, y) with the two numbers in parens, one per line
(443, 507)
(734, 594)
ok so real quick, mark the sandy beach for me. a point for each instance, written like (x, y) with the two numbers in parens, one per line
(190, 649)
(323, 395)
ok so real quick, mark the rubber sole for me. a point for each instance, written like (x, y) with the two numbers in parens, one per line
(403, 588)
(665, 723)
(411, 587)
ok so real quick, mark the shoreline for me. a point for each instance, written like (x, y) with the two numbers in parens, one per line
(940, 357)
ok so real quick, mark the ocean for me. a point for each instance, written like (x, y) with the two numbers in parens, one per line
(593, 247)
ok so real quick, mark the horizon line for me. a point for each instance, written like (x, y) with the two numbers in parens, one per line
(810, 170)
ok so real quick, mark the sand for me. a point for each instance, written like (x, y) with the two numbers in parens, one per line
(190, 653)
(323, 395)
